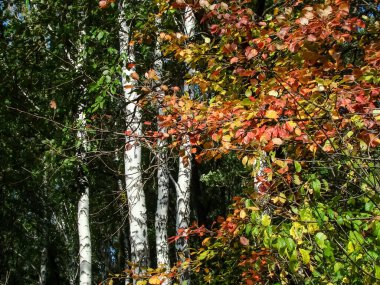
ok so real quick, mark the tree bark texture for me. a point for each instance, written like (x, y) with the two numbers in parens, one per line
(83, 209)
(184, 176)
(161, 218)
(132, 155)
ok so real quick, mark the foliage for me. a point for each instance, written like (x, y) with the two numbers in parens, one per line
(288, 95)
(295, 95)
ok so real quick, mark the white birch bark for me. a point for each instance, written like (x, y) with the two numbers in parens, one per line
(132, 156)
(161, 218)
(85, 256)
(84, 211)
(184, 176)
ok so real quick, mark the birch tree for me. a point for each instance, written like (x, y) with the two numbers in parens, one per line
(132, 154)
(184, 174)
(161, 219)
(84, 210)
(85, 257)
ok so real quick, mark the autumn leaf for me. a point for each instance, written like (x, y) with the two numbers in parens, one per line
(131, 65)
(234, 60)
(154, 280)
(325, 12)
(271, 114)
(53, 104)
(135, 76)
(151, 74)
(303, 21)
(244, 241)
(250, 53)
(273, 93)
(277, 141)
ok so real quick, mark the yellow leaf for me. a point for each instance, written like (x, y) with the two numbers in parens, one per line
(350, 247)
(245, 160)
(305, 256)
(271, 114)
(243, 214)
(205, 242)
(265, 220)
(253, 208)
(226, 138)
(154, 280)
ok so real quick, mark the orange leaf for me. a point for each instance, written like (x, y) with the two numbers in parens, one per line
(154, 280)
(135, 76)
(53, 104)
(271, 114)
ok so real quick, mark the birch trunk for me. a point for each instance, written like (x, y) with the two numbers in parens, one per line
(183, 211)
(132, 156)
(184, 176)
(161, 219)
(84, 210)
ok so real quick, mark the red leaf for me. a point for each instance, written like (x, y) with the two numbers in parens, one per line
(250, 53)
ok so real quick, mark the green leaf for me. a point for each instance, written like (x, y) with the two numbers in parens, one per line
(320, 239)
(316, 184)
(203, 255)
(338, 266)
(377, 271)
(297, 166)
(100, 35)
(281, 243)
(290, 244)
